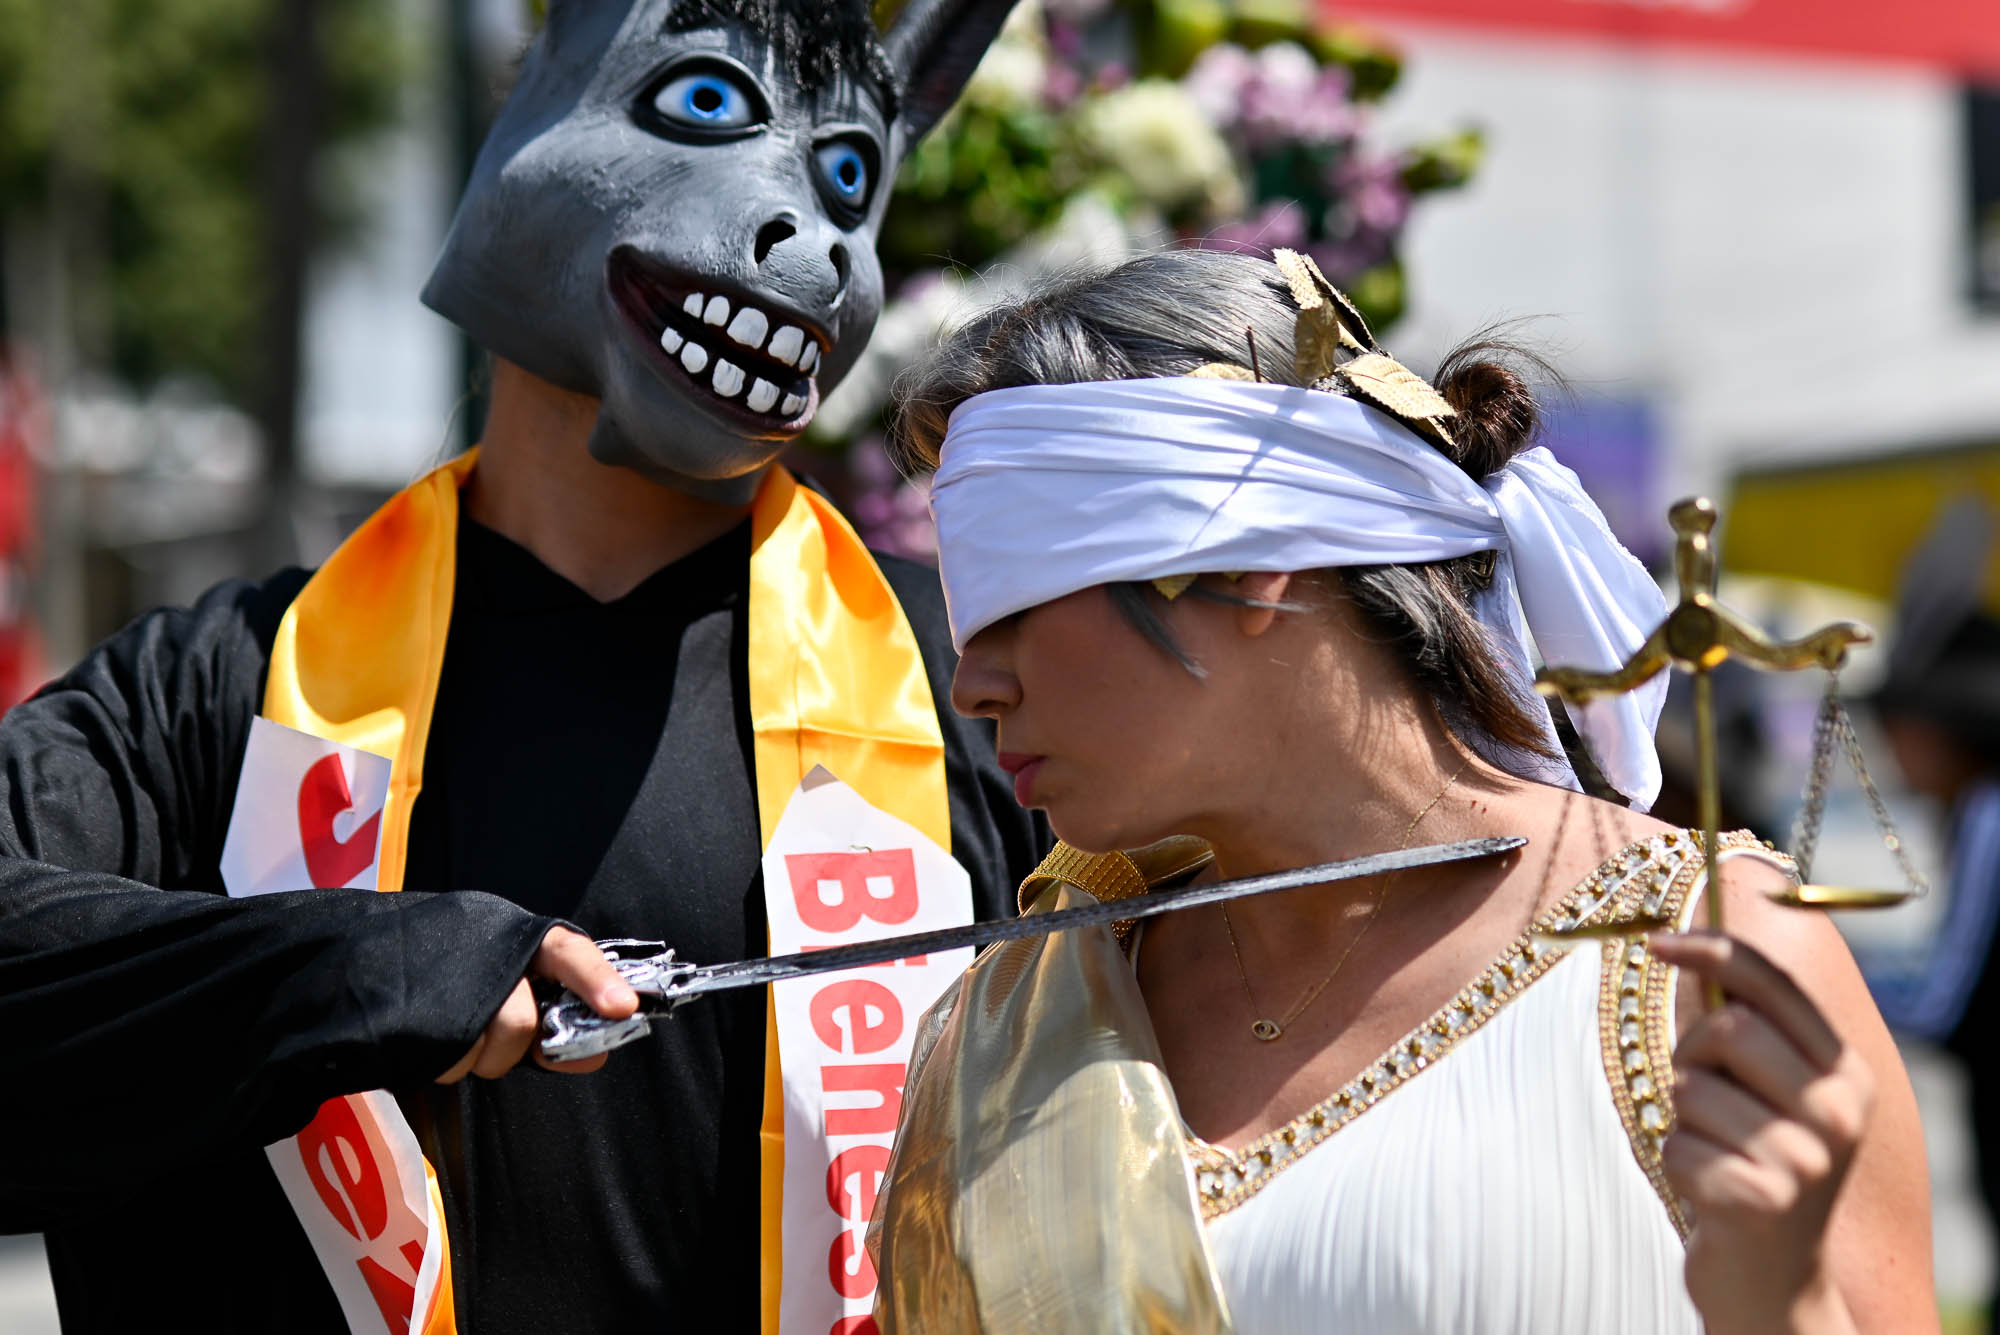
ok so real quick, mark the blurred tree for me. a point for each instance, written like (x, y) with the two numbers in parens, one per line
(1237, 123)
(165, 138)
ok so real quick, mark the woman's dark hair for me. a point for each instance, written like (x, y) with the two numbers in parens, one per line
(1167, 313)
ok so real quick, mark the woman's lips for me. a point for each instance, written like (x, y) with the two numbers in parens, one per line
(1023, 768)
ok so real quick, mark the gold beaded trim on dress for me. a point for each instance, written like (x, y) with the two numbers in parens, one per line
(1635, 1012)
(1619, 888)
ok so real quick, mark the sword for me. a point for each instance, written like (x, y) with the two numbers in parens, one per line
(572, 1031)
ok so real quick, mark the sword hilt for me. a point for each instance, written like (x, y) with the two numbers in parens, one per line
(572, 1031)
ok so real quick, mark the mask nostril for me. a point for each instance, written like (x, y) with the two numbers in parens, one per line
(839, 257)
(771, 234)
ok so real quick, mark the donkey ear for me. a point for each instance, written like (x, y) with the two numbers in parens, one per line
(934, 46)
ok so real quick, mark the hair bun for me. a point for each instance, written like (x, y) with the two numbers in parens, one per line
(1498, 416)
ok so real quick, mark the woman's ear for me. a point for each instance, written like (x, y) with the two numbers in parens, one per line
(1266, 587)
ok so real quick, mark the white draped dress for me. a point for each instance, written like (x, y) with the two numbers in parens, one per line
(1498, 1172)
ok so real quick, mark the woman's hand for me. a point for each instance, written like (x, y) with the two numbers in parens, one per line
(1771, 1106)
(566, 957)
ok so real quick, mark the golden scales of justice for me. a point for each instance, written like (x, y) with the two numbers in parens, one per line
(1700, 634)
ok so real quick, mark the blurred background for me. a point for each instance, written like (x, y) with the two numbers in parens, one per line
(1761, 237)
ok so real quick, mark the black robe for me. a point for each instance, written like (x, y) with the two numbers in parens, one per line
(589, 762)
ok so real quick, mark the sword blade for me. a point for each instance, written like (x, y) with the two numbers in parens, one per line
(779, 968)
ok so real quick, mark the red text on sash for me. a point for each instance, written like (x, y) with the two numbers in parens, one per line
(855, 1018)
(354, 1173)
(332, 862)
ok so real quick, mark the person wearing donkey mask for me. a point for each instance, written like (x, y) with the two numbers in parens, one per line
(581, 662)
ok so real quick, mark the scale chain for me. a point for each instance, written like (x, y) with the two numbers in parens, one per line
(1805, 828)
(1832, 726)
(1883, 822)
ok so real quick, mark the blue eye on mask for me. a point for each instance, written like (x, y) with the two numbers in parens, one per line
(845, 169)
(707, 100)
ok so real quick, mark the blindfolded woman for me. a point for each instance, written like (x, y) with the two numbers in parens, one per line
(1222, 571)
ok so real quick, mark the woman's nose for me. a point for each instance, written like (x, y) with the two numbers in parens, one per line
(984, 685)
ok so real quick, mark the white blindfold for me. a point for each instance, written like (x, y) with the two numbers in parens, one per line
(1045, 490)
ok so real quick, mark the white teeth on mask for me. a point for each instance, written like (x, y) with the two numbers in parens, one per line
(791, 346)
(785, 344)
(749, 327)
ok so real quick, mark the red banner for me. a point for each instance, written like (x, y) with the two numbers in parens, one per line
(24, 425)
(1962, 36)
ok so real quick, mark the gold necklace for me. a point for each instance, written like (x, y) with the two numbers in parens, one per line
(1266, 1030)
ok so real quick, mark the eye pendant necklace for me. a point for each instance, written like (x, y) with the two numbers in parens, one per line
(1267, 1030)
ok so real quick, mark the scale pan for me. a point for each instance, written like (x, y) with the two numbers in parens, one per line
(1811, 896)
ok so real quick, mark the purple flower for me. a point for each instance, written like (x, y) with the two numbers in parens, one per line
(1373, 190)
(1279, 95)
(1065, 41)
(1279, 224)
(1076, 12)
(1342, 261)
(1217, 80)
(891, 514)
(1062, 85)
(1280, 112)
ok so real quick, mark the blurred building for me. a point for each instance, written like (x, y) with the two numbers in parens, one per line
(385, 379)
(1765, 235)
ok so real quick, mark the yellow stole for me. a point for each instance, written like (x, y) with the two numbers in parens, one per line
(836, 679)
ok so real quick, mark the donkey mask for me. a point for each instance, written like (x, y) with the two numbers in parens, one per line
(676, 212)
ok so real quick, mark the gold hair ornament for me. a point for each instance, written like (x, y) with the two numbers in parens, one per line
(1334, 350)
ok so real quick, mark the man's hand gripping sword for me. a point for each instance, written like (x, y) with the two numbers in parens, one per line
(572, 1031)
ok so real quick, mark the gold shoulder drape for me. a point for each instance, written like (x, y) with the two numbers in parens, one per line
(1040, 1181)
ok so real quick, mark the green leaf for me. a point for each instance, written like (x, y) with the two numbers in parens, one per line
(1373, 65)
(1444, 164)
(1173, 33)
(1261, 22)
(1381, 293)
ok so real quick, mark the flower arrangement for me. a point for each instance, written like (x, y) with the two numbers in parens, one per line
(1094, 128)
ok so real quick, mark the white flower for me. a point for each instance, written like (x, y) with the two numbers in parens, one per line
(1155, 134)
(906, 328)
(1015, 69)
(1088, 231)
(1289, 67)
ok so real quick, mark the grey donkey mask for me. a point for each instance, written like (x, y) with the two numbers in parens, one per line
(676, 212)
